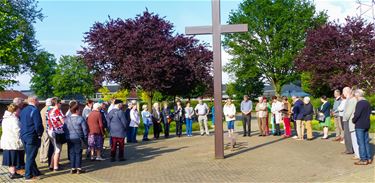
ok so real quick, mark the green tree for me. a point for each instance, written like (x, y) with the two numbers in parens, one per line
(17, 38)
(72, 78)
(277, 32)
(107, 95)
(43, 73)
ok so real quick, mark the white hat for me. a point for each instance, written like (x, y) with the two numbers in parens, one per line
(49, 102)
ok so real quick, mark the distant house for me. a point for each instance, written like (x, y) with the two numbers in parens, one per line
(115, 88)
(287, 90)
(7, 96)
(28, 92)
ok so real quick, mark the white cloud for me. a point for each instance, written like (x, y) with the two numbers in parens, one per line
(337, 9)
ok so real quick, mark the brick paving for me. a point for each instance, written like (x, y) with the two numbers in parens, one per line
(190, 159)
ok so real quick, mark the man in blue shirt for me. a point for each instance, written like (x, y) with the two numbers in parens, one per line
(31, 133)
(246, 108)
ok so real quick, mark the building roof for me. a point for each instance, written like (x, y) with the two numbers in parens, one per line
(11, 94)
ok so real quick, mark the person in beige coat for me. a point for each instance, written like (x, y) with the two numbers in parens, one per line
(348, 116)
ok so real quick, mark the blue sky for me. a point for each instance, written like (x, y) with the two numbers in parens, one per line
(62, 30)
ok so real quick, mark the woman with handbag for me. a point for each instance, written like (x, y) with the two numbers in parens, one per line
(286, 113)
(326, 119)
(56, 133)
(75, 128)
(179, 117)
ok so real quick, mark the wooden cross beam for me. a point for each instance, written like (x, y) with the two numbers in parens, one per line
(216, 30)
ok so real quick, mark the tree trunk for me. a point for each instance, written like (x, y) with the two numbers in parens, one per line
(277, 87)
(149, 101)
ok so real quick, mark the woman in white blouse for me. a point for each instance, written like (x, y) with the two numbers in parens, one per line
(230, 116)
(11, 141)
(134, 123)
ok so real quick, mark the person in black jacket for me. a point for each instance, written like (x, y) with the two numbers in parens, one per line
(167, 118)
(307, 113)
(156, 117)
(325, 109)
(179, 114)
(361, 120)
(298, 117)
(127, 117)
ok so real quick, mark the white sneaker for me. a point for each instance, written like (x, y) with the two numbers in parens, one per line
(295, 137)
(99, 159)
(342, 142)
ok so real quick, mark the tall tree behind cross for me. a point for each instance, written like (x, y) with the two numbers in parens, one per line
(216, 30)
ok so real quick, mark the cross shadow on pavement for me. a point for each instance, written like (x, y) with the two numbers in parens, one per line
(241, 147)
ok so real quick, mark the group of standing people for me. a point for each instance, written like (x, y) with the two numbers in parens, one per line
(351, 113)
(26, 129)
(161, 118)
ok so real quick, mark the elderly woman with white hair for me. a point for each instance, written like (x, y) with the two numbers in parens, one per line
(156, 119)
(308, 113)
(96, 132)
(147, 122)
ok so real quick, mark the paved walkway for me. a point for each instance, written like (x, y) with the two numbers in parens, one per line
(257, 159)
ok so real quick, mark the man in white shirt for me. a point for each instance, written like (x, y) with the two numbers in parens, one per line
(202, 110)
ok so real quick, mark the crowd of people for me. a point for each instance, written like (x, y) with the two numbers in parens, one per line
(351, 113)
(26, 129)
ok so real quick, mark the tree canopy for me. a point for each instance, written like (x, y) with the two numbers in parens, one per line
(17, 38)
(43, 72)
(277, 32)
(144, 53)
(339, 55)
(72, 78)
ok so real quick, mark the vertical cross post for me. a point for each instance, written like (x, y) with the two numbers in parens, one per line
(216, 30)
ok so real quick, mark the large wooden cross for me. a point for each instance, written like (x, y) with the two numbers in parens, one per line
(216, 30)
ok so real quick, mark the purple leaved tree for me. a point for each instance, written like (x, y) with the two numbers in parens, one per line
(145, 53)
(337, 55)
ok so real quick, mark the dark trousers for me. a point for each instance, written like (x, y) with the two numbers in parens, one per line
(157, 130)
(117, 141)
(128, 135)
(294, 126)
(166, 129)
(22, 161)
(179, 127)
(31, 169)
(133, 136)
(277, 127)
(75, 153)
(145, 134)
(246, 124)
(348, 138)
